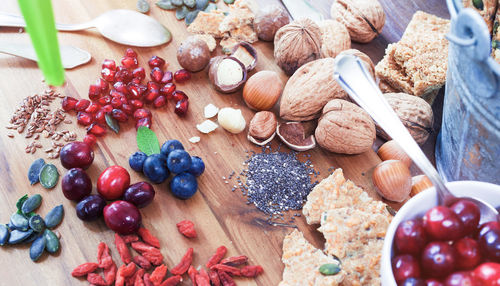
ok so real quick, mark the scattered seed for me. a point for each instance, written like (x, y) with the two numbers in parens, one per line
(54, 217)
(49, 176)
(37, 248)
(53, 244)
(329, 269)
(19, 222)
(17, 236)
(4, 234)
(36, 223)
(31, 204)
(34, 171)
(10, 134)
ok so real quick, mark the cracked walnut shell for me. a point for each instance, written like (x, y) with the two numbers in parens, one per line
(363, 18)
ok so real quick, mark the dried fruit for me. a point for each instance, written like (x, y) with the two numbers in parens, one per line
(142, 262)
(192, 272)
(419, 184)
(219, 254)
(392, 180)
(49, 176)
(34, 171)
(122, 249)
(84, 269)
(246, 54)
(172, 281)
(262, 90)
(183, 266)
(262, 128)
(214, 278)
(225, 279)
(227, 74)
(391, 150)
(186, 228)
(227, 269)
(293, 135)
(96, 279)
(334, 38)
(193, 54)
(148, 237)
(231, 119)
(158, 274)
(251, 270)
(269, 20)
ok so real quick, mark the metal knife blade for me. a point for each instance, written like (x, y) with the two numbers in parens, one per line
(302, 9)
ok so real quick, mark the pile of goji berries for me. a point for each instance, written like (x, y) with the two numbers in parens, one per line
(128, 95)
(220, 271)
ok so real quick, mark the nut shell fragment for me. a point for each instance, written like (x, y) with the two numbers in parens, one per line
(227, 74)
(262, 128)
(294, 136)
(246, 54)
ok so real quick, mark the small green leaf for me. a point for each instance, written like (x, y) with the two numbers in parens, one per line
(191, 16)
(329, 269)
(478, 4)
(20, 203)
(49, 176)
(142, 6)
(112, 123)
(147, 141)
(181, 12)
(166, 5)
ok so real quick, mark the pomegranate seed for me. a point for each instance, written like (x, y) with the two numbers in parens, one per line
(151, 95)
(97, 129)
(168, 90)
(68, 103)
(152, 85)
(156, 62)
(100, 116)
(122, 74)
(156, 74)
(115, 93)
(94, 91)
(102, 84)
(84, 118)
(142, 113)
(82, 104)
(130, 53)
(129, 62)
(90, 140)
(136, 103)
(136, 90)
(119, 115)
(139, 73)
(121, 87)
(167, 77)
(160, 101)
(116, 102)
(136, 80)
(179, 95)
(143, 122)
(182, 75)
(104, 100)
(109, 64)
(128, 109)
(108, 74)
(181, 107)
(107, 108)
(93, 108)
(123, 100)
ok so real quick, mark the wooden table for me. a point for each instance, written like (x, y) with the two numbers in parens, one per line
(221, 217)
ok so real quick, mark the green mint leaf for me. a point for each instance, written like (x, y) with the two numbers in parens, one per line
(147, 141)
(112, 123)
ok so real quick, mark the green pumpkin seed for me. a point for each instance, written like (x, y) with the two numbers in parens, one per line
(31, 238)
(181, 12)
(191, 16)
(52, 241)
(391, 210)
(17, 236)
(18, 221)
(36, 223)
(190, 3)
(20, 203)
(166, 5)
(211, 7)
(142, 6)
(37, 248)
(54, 217)
(329, 269)
(34, 170)
(49, 176)
(178, 3)
(229, 1)
(478, 4)
(112, 123)
(4, 234)
(31, 204)
(201, 4)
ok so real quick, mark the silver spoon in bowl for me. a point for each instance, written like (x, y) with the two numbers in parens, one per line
(122, 26)
(352, 75)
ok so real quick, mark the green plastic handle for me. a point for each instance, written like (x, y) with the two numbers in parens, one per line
(41, 27)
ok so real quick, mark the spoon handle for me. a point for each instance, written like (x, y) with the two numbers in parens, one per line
(9, 20)
(351, 74)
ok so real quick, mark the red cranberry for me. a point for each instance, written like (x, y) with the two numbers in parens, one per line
(104, 100)
(84, 118)
(442, 224)
(93, 108)
(129, 62)
(160, 101)
(488, 274)
(156, 62)
(182, 75)
(128, 109)
(103, 85)
(179, 95)
(438, 259)
(119, 115)
(433, 282)
(107, 108)
(489, 240)
(90, 139)
(136, 103)
(146, 122)
(109, 64)
(122, 217)
(136, 90)
(100, 116)
(122, 74)
(168, 77)
(120, 87)
(468, 254)
(76, 184)
(413, 282)
(116, 102)
(181, 107)
(156, 74)
(130, 53)
(140, 194)
(112, 182)
(76, 155)
(94, 91)
(410, 237)
(68, 103)
(97, 129)
(142, 113)
(151, 95)
(468, 212)
(168, 90)
(108, 74)
(139, 73)
(405, 266)
(151, 85)
(462, 278)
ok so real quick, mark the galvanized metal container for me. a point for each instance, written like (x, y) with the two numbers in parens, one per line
(468, 146)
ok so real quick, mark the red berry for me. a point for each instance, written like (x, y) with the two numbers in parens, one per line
(438, 259)
(136, 80)
(182, 75)
(93, 107)
(168, 90)
(107, 108)
(151, 85)
(100, 116)
(122, 74)
(156, 74)
(410, 237)
(84, 118)
(404, 267)
(76, 155)
(160, 101)
(139, 73)
(130, 53)
(489, 240)
(97, 129)
(82, 104)
(113, 182)
(143, 122)
(123, 218)
(156, 62)
(136, 90)
(179, 95)
(413, 282)
(151, 95)
(442, 224)
(104, 100)
(181, 107)
(119, 115)
(433, 282)
(468, 254)
(124, 100)
(468, 212)
(103, 85)
(462, 278)
(109, 64)
(128, 109)
(136, 103)
(116, 102)
(68, 103)
(488, 274)
(90, 140)
(167, 77)
(120, 87)
(94, 91)
(142, 113)
(129, 62)
(108, 74)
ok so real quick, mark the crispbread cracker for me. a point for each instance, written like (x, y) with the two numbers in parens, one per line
(487, 11)
(208, 23)
(364, 268)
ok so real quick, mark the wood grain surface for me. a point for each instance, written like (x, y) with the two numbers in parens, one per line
(221, 216)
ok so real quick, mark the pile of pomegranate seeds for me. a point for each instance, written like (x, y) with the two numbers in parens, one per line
(128, 94)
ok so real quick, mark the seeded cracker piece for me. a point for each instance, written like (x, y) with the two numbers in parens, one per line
(209, 39)
(227, 45)
(363, 269)
(487, 11)
(239, 23)
(302, 262)
(208, 23)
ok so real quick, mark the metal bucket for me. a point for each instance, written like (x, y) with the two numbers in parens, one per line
(468, 146)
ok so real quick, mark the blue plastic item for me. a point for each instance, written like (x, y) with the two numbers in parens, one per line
(468, 146)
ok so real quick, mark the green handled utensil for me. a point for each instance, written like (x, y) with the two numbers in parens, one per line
(41, 27)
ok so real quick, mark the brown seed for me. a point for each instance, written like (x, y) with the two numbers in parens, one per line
(10, 135)
(48, 150)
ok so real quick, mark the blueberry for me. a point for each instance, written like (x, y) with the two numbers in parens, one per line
(155, 168)
(136, 161)
(197, 166)
(183, 185)
(170, 146)
(178, 161)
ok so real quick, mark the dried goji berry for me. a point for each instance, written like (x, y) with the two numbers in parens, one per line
(120, 279)
(214, 278)
(251, 270)
(172, 281)
(96, 279)
(225, 279)
(84, 269)
(123, 250)
(130, 238)
(103, 257)
(139, 281)
(158, 274)
(142, 262)
(226, 268)
(147, 282)
(154, 256)
(148, 237)
(217, 257)
(110, 273)
(131, 279)
(202, 279)
(235, 260)
(192, 272)
(186, 228)
(183, 266)
(129, 270)
(142, 247)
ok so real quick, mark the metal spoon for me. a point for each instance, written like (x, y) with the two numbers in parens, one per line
(122, 26)
(352, 75)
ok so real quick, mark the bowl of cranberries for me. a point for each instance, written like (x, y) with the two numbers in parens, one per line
(433, 245)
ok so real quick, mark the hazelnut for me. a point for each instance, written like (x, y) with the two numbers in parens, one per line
(227, 74)
(262, 90)
(334, 38)
(193, 54)
(262, 128)
(268, 20)
(392, 180)
(293, 134)
(246, 54)
(419, 184)
(391, 150)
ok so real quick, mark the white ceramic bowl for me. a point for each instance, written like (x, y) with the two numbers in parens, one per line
(419, 204)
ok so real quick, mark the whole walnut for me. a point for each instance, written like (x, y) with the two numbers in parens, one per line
(363, 18)
(364, 57)
(296, 44)
(269, 20)
(334, 38)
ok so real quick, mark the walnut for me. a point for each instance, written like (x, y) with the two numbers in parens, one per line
(334, 38)
(364, 57)
(363, 18)
(296, 44)
(268, 21)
